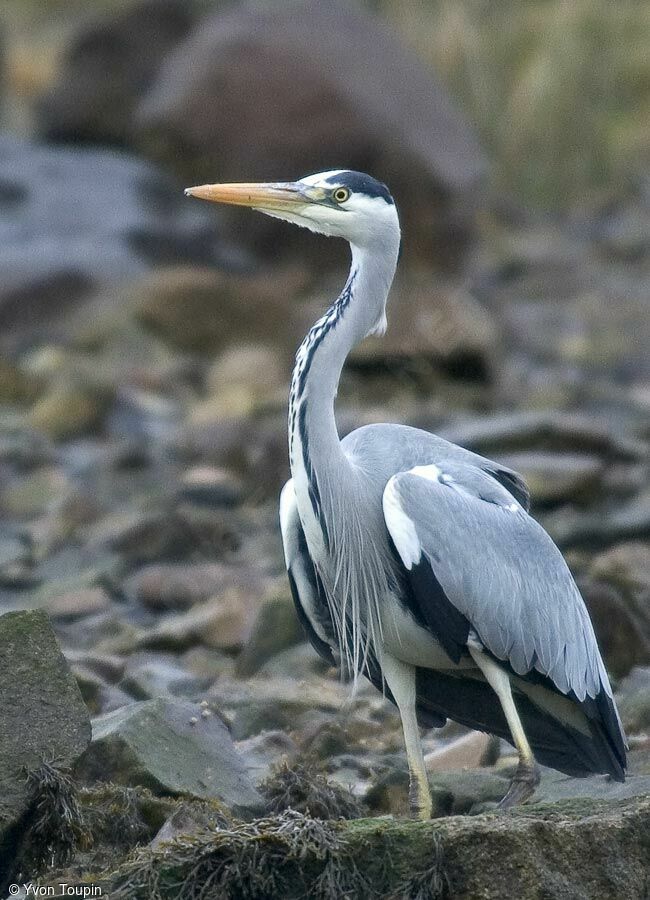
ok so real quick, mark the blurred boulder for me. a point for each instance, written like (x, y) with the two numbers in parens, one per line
(276, 628)
(202, 310)
(434, 323)
(166, 586)
(223, 622)
(265, 751)
(633, 700)
(105, 69)
(72, 220)
(554, 478)
(274, 92)
(617, 592)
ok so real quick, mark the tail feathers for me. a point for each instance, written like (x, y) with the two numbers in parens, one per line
(556, 744)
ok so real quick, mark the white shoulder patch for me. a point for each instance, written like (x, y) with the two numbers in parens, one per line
(400, 526)
(430, 472)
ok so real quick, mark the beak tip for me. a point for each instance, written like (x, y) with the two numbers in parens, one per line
(188, 192)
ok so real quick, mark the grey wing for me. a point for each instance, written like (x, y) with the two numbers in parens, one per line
(498, 569)
(479, 567)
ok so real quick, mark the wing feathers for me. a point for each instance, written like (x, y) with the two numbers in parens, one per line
(497, 568)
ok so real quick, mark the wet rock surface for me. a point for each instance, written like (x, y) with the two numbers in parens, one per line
(172, 747)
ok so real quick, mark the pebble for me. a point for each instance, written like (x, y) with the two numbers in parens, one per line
(77, 604)
(471, 751)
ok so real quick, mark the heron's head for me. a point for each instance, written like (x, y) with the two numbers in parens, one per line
(339, 203)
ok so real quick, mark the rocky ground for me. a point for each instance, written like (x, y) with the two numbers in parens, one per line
(144, 368)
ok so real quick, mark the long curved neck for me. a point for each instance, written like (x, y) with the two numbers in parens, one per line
(314, 446)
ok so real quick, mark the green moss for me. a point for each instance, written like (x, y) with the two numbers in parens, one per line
(579, 849)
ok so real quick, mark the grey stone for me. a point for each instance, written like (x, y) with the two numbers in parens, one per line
(300, 662)
(211, 486)
(434, 323)
(80, 219)
(148, 678)
(555, 787)
(42, 714)
(275, 629)
(223, 622)
(629, 522)
(262, 704)
(544, 429)
(557, 477)
(163, 586)
(633, 699)
(171, 748)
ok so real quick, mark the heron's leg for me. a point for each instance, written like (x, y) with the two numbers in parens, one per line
(526, 777)
(400, 678)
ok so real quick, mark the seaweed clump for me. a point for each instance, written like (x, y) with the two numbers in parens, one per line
(290, 855)
(53, 827)
(306, 790)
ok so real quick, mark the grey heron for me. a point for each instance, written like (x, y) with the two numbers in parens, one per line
(414, 561)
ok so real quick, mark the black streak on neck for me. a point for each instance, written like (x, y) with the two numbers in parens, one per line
(299, 397)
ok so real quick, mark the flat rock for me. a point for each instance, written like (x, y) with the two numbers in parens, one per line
(263, 704)
(207, 311)
(164, 586)
(76, 604)
(146, 679)
(42, 714)
(544, 430)
(555, 787)
(433, 322)
(591, 851)
(556, 477)
(171, 747)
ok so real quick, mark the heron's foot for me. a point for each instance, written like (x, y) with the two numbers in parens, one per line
(419, 798)
(523, 784)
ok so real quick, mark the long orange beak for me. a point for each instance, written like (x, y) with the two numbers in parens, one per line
(271, 196)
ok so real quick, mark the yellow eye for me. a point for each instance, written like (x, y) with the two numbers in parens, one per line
(341, 195)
